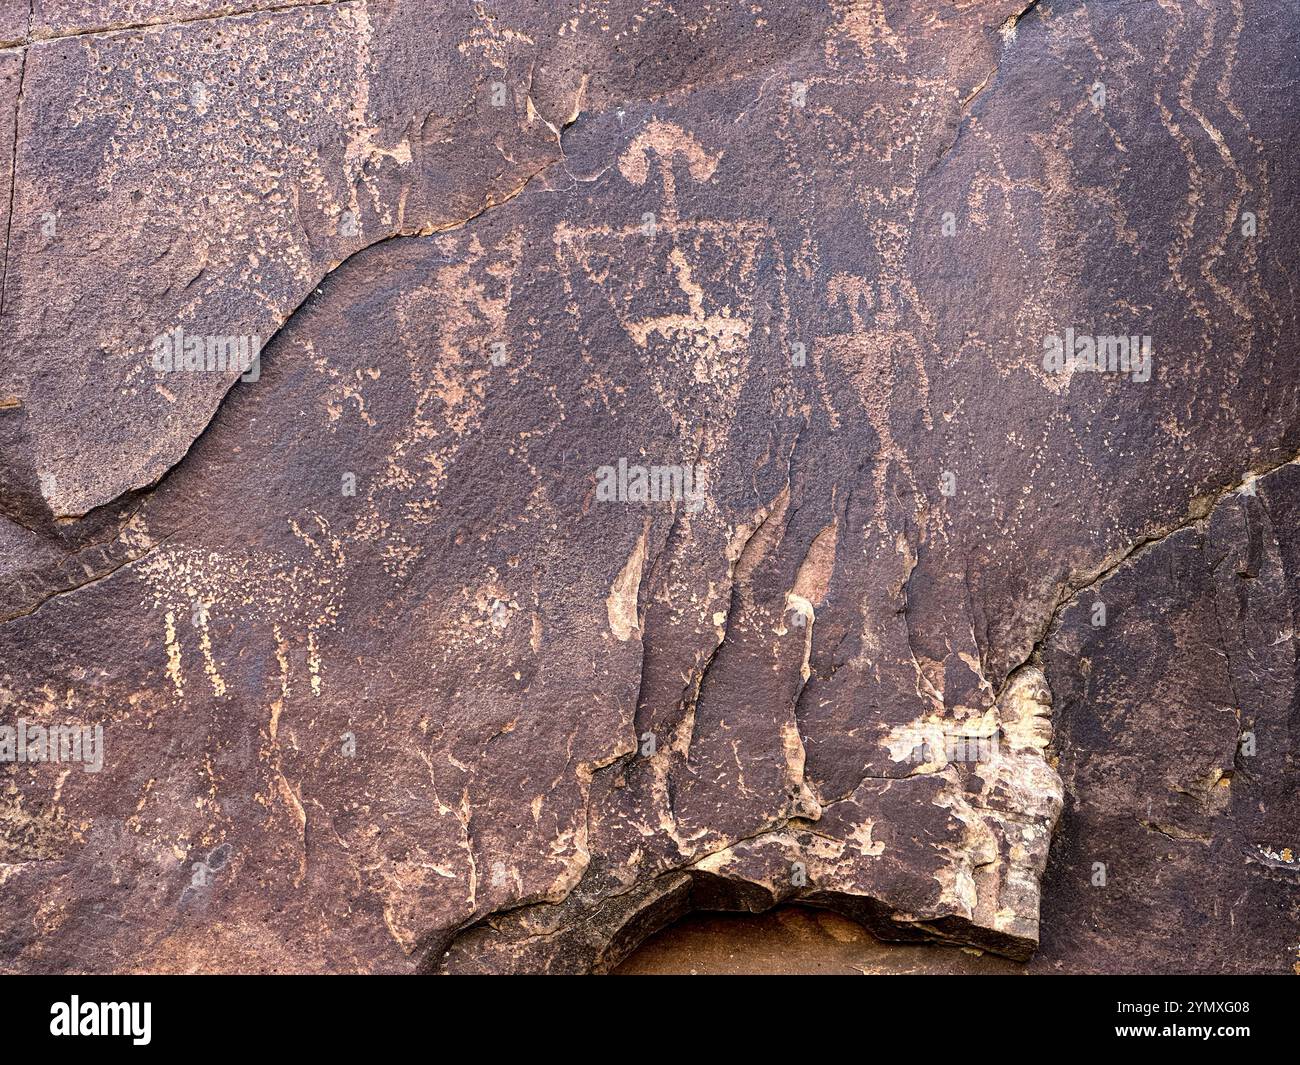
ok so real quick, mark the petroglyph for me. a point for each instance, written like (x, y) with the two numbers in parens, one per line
(653, 496)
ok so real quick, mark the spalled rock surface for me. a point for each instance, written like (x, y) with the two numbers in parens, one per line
(387, 681)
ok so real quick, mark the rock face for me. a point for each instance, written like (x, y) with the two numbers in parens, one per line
(680, 460)
(1177, 745)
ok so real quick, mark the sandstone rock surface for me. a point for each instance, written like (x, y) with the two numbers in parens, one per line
(395, 668)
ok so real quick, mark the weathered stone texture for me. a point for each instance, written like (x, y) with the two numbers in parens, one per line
(473, 715)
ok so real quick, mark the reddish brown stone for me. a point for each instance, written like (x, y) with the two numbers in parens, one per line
(387, 683)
